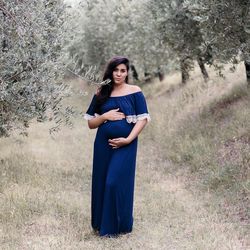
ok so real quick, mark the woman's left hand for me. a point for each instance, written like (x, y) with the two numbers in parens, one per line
(118, 142)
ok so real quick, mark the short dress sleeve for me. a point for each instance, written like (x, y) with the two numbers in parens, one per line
(90, 113)
(141, 109)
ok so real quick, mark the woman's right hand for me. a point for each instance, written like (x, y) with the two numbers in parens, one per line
(113, 115)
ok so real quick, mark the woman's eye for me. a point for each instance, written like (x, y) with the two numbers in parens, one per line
(122, 70)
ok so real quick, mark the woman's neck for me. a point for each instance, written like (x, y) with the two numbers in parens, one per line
(119, 87)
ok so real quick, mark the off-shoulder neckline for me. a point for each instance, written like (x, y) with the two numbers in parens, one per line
(126, 95)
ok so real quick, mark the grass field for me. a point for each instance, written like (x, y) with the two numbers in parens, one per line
(192, 179)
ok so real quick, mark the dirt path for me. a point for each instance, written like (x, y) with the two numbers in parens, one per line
(166, 215)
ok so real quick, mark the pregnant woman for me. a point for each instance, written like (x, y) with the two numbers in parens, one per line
(119, 111)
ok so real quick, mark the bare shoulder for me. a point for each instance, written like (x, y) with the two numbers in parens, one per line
(134, 88)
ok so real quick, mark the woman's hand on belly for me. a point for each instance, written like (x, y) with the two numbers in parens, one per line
(118, 142)
(114, 115)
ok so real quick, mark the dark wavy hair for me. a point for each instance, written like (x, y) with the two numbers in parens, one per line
(105, 90)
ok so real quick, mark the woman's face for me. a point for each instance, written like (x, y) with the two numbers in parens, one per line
(119, 74)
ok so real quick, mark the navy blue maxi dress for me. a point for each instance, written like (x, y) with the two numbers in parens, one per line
(113, 172)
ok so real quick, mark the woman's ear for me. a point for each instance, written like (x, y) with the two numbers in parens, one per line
(98, 90)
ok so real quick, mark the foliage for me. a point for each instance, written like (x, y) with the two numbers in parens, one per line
(225, 27)
(39, 37)
(155, 33)
(31, 62)
(110, 28)
(214, 31)
(177, 28)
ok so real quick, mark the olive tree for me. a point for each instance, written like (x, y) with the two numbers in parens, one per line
(155, 33)
(110, 27)
(208, 31)
(32, 34)
(181, 33)
(225, 28)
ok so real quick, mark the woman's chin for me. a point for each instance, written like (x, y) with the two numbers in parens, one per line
(119, 82)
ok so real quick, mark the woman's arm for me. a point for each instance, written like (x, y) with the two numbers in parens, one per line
(97, 121)
(111, 115)
(136, 130)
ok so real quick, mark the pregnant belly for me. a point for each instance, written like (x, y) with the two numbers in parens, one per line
(118, 128)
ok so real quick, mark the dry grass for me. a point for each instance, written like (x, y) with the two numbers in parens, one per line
(45, 183)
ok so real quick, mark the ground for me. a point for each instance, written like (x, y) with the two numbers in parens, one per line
(46, 181)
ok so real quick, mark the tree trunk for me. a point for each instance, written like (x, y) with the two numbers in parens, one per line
(247, 66)
(203, 68)
(4, 44)
(245, 37)
(184, 71)
(134, 72)
(147, 77)
(161, 76)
